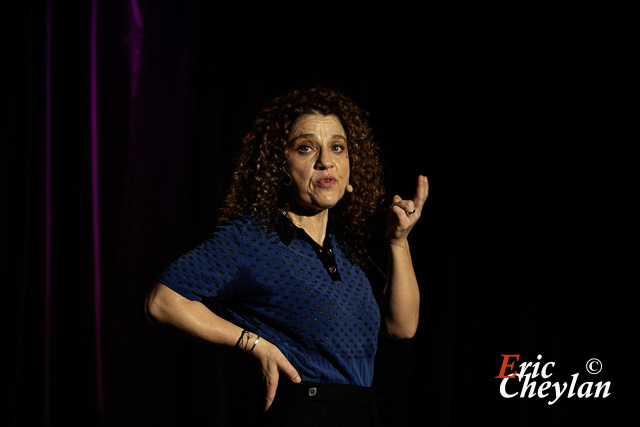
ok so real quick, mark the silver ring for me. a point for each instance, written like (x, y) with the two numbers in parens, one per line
(410, 212)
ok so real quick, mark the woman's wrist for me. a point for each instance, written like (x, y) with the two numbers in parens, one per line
(247, 342)
(401, 244)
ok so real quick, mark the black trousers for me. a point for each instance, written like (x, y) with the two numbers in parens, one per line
(322, 405)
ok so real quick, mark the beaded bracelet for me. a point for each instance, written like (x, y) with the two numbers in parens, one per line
(242, 348)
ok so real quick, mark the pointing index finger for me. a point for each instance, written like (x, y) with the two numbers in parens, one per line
(422, 191)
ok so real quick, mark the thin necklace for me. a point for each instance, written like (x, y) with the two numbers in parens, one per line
(285, 213)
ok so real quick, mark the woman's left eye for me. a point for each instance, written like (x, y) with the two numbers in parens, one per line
(338, 148)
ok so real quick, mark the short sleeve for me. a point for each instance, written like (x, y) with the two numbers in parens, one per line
(211, 270)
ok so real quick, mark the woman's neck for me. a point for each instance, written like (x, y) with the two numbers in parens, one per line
(314, 225)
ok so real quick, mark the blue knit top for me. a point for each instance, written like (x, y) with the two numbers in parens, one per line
(310, 301)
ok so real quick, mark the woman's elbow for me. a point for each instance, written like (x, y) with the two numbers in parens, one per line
(401, 332)
(406, 334)
(154, 306)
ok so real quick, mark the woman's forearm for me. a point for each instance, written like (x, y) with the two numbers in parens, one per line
(401, 293)
(191, 318)
(194, 319)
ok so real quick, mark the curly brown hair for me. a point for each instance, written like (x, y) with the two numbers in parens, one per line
(261, 171)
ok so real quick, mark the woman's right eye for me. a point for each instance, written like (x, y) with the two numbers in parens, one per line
(304, 149)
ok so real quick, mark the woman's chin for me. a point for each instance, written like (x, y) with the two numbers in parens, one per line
(313, 205)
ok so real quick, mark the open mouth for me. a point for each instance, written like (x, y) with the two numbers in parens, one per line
(326, 182)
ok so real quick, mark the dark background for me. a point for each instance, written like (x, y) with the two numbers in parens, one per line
(515, 115)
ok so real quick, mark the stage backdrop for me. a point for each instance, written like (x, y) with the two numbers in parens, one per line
(121, 122)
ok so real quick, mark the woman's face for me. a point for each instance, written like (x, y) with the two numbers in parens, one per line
(318, 161)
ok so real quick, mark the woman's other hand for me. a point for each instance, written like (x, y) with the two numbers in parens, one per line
(272, 364)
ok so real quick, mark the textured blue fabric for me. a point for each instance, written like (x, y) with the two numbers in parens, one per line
(325, 322)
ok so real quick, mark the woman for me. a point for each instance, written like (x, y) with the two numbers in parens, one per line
(288, 261)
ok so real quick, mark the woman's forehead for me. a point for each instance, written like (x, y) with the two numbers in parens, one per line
(317, 124)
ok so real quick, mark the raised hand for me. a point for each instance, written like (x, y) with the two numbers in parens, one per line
(404, 214)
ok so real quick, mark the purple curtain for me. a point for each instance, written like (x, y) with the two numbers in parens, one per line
(121, 120)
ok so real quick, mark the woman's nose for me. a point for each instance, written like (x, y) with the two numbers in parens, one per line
(324, 161)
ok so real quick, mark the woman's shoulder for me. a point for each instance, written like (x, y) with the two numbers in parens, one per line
(246, 225)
